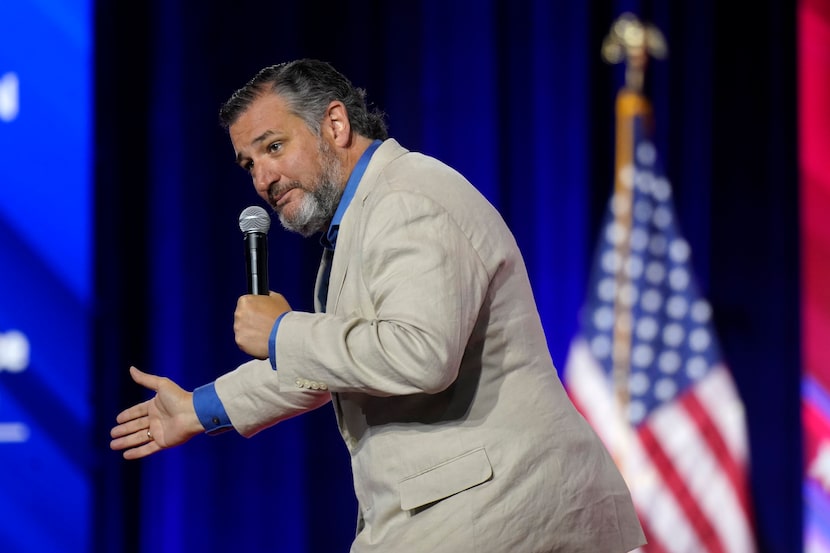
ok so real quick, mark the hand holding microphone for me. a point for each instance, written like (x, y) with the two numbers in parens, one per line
(257, 311)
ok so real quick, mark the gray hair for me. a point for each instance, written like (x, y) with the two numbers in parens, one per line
(308, 86)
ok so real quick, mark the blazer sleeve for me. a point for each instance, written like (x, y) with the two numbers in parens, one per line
(403, 328)
(253, 401)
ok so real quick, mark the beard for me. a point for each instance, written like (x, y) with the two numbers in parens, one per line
(320, 199)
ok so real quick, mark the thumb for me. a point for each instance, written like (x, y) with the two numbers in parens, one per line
(281, 299)
(147, 380)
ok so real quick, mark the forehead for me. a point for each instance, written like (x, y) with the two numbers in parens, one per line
(268, 113)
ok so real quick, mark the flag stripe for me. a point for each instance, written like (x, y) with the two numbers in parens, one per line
(654, 545)
(726, 498)
(700, 468)
(677, 485)
(717, 445)
(814, 420)
(718, 395)
(664, 515)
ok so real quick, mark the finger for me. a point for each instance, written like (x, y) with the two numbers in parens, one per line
(132, 425)
(136, 451)
(143, 451)
(134, 412)
(131, 440)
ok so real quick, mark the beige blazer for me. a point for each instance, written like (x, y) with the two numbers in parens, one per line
(462, 438)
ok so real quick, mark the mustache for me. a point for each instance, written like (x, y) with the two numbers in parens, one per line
(276, 191)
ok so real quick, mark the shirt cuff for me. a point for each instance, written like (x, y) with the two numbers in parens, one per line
(210, 410)
(272, 342)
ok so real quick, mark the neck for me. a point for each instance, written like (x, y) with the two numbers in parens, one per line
(358, 145)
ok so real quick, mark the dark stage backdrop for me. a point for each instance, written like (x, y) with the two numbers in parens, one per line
(514, 94)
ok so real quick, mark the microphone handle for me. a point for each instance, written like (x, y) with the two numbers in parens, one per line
(256, 262)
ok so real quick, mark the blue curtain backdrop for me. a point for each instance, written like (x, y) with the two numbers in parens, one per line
(514, 94)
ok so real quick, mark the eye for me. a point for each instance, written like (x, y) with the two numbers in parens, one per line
(248, 166)
(274, 147)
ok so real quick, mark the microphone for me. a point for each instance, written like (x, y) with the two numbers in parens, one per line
(254, 223)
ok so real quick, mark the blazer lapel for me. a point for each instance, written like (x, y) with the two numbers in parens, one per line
(387, 151)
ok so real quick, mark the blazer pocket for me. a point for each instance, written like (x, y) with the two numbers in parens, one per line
(448, 478)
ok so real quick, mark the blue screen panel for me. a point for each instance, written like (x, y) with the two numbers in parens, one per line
(45, 275)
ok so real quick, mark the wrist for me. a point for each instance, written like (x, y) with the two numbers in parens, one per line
(193, 426)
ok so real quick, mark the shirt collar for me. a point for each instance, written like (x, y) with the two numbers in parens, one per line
(330, 238)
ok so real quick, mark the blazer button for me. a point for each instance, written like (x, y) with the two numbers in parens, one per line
(299, 382)
(324, 386)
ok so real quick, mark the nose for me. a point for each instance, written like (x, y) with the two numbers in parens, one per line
(263, 179)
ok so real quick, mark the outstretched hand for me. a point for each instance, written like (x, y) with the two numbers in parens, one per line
(167, 419)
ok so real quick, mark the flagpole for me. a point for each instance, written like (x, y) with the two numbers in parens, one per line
(631, 42)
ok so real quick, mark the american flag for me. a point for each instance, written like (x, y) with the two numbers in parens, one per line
(646, 370)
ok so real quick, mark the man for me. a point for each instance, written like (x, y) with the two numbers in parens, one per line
(426, 341)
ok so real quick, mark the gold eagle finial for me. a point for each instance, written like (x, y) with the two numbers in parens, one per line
(633, 42)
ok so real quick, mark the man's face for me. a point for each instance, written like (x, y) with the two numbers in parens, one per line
(295, 171)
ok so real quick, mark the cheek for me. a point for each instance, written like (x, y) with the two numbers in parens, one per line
(298, 166)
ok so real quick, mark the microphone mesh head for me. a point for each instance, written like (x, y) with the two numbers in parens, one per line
(254, 219)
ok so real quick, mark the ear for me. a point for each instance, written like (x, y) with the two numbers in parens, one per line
(336, 124)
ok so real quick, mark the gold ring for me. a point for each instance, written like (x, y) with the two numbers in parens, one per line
(150, 436)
